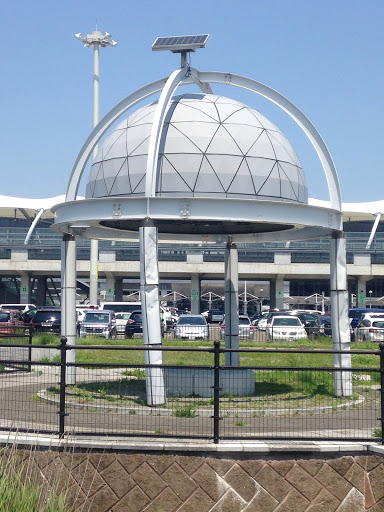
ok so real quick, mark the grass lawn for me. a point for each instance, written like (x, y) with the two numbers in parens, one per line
(116, 356)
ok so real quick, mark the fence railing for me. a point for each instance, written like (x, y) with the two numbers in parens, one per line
(271, 394)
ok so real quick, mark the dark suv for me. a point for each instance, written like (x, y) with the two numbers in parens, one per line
(47, 320)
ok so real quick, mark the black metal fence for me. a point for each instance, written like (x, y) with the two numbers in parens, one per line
(270, 394)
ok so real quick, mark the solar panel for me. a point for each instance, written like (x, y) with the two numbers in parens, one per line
(180, 43)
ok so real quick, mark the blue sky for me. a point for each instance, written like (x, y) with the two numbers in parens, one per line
(325, 56)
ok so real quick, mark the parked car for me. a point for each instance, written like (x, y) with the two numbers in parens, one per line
(355, 314)
(121, 307)
(11, 321)
(311, 324)
(28, 315)
(263, 322)
(47, 319)
(134, 324)
(99, 322)
(121, 322)
(191, 327)
(325, 328)
(370, 327)
(19, 307)
(285, 328)
(215, 315)
(245, 328)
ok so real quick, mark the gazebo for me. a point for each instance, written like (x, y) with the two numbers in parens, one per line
(199, 167)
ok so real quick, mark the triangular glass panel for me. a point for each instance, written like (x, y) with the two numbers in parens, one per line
(289, 185)
(189, 112)
(171, 180)
(114, 146)
(242, 183)
(100, 189)
(272, 185)
(223, 143)
(144, 115)
(114, 143)
(121, 185)
(260, 169)
(263, 121)
(188, 167)
(199, 133)
(244, 117)
(262, 148)
(177, 142)
(136, 135)
(207, 180)
(245, 136)
(137, 167)
(226, 167)
(226, 110)
(111, 169)
(284, 150)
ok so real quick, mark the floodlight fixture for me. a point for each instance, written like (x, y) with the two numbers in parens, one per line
(178, 44)
(96, 38)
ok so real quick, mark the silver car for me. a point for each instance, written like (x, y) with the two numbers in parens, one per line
(191, 327)
(246, 328)
(100, 322)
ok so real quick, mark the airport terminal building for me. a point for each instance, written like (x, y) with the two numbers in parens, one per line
(30, 263)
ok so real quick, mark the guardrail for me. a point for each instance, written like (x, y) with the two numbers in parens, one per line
(272, 394)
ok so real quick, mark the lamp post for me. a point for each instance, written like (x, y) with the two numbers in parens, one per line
(370, 299)
(96, 40)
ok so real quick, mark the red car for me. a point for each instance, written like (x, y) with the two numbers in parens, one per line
(9, 319)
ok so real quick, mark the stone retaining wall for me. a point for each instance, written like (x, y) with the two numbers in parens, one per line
(187, 482)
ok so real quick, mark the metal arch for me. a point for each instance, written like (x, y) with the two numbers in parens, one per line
(206, 77)
(33, 226)
(157, 127)
(294, 112)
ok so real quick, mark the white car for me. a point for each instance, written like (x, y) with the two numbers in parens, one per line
(121, 322)
(191, 327)
(285, 328)
(370, 327)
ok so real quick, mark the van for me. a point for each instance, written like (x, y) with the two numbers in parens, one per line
(121, 307)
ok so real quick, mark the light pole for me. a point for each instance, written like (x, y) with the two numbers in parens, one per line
(370, 299)
(96, 40)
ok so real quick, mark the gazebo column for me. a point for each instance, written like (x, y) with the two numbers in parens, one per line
(68, 300)
(231, 304)
(149, 288)
(339, 314)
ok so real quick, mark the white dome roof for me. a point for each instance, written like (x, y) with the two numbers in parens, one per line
(211, 146)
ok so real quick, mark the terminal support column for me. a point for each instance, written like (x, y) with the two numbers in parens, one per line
(231, 304)
(340, 314)
(195, 294)
(68, 300)
(149, 288)
(110, 287)
(24, 288)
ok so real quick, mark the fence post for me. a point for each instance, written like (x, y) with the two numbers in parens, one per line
(29, 349)
(381, 345)
(63, 385)
(216, 392)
